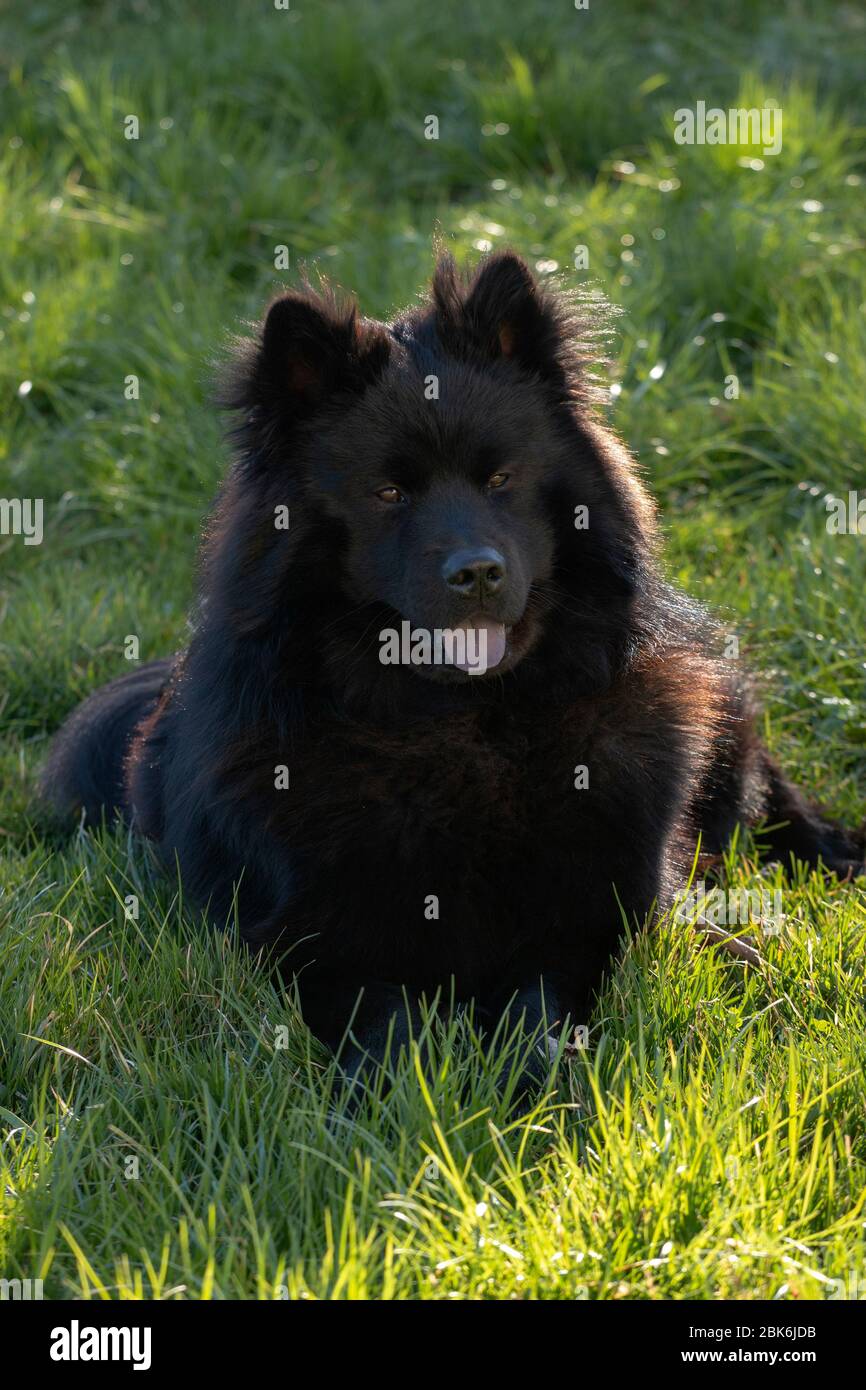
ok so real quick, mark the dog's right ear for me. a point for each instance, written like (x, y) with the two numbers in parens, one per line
(309, 348)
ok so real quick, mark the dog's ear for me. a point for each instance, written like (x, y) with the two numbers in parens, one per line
(309, 348)
(500, 314)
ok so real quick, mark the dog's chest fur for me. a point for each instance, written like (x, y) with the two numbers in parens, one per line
(471, 838)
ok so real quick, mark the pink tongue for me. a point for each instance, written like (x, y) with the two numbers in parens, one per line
(485, 645)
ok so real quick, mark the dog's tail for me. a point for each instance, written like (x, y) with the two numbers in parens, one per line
(746, 786)
(85, 768)
(799, 828)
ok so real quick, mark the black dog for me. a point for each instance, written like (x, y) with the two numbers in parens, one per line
(391, 827)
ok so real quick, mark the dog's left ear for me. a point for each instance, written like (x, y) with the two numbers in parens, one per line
(500, 314)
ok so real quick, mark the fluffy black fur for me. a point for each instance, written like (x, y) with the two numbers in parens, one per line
(412, 787)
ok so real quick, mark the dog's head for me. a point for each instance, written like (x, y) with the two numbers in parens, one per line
(442, 474)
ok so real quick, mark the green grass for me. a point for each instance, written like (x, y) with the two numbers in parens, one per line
(710, 1141)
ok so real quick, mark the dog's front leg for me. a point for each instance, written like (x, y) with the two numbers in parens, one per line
(538, 1014)
(364, 1022)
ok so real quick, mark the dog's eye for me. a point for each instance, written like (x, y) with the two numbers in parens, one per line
(390, 494)
(497, 480)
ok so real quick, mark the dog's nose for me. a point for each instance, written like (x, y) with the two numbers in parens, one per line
(475, 573)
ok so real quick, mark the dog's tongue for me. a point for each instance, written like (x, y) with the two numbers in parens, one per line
(485, 645)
